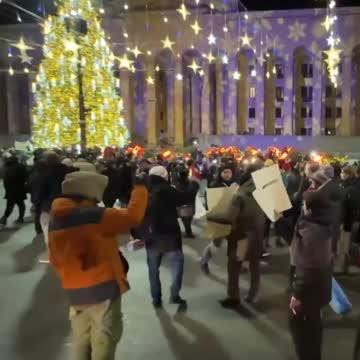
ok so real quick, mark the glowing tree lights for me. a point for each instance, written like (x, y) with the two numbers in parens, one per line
(77, 69)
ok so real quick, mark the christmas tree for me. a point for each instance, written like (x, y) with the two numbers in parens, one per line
(77, 69)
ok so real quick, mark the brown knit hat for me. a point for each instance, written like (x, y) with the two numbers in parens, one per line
(87, 184)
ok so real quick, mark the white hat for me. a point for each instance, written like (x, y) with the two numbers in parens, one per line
(88, 184)
(159, 171)
(85, 166)
(68, 162)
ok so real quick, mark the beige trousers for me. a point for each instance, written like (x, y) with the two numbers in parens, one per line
(343, 249)
(96, 331)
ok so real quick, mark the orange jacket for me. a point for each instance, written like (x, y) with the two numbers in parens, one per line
(83, 246)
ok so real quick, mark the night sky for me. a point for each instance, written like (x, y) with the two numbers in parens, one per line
(8, 14)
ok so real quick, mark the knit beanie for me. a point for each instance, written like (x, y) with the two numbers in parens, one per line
(67, 162)
(83, 165)
(87, 184)
(159, 171)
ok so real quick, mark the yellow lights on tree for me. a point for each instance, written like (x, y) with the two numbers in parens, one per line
(57, 86)
(125, 62)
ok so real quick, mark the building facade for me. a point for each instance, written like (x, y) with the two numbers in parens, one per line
(273, 83)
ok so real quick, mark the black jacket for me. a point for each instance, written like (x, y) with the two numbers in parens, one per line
(189, 187)
(312, 245)
(351, 204)
(51, 185)
(15, 180)
(161, 230)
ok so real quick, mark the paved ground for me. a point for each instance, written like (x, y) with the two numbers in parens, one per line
(34, 322)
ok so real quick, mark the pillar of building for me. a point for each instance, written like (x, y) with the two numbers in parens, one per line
(195, 105)
(345, 126)
(288, 107)
(178, 107)
(269, 97)
(259, 121)
(317, 94)
(219, 98)
(230, 98)
(242, 95)
(4, 124)
(127, 94)
(205, 100)
(151, 104)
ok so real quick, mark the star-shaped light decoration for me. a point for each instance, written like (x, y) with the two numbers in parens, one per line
(168, 44)
(201, 72)
(225, 59)
(179, 77)
(125, 62)
(71, 45)
(210, 58)
(196, 27)
(194, 66)
(327, 23)
(333, 54)
(211, 39)
(21, 45)
(150, 80)
(136, 51)
(236, 75)
(246, 40)
(182, 10)
(25, 58)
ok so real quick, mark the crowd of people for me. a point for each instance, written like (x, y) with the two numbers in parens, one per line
(151, 195)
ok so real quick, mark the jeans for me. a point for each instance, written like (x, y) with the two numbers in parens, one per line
(306, 330)
(96, 331)
(154, 259)
(10, 204)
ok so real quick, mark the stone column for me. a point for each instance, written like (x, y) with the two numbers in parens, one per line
(12, 104)
(317, 94)
(288, 107)
(178, 107)
(219, 98)
(231, 110)
(260, 87)
(195, 103)
(205, 101)
(242, 95)
(127, 94)
(269, 97)
(345, 127)
(150, 99)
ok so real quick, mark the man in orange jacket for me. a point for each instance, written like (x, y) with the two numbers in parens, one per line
(84, 251)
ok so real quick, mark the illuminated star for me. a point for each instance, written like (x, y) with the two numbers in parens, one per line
(327, 23)
(194, 66)
(212, 39)
(225, 59)
(21, 45)
(333, 55)
(150, 80)
(201, 72)
(179, 77)
(168, 44)
(136, 51)
(183, 11)
(125, 62)
(210, 58)
(196, 27)
(246, 40)
(236, 75)
(71, 45)
(25, 58)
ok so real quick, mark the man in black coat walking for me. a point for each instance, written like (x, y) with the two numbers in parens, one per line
(15, 189)
(162, 235)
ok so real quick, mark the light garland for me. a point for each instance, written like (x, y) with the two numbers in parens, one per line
(333, 53)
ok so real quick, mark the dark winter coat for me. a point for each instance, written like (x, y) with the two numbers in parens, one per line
(250, 222)
(161, 230)
(15, 180)
(351, 203)
(312, 245)
(293, 182)
(51, 185)
(113, 188)
(189, 187)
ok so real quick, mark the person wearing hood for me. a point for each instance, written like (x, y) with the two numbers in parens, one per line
(162, 235)
(83, 250)
(312, 255)
(249, 226)
(225, 178)
(15, 179)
